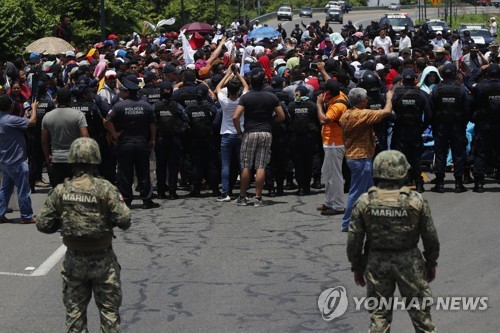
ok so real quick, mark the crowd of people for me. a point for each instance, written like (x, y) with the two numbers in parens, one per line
(307, 109)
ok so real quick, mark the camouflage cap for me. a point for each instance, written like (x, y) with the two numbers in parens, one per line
(84, 151)
(390, 164)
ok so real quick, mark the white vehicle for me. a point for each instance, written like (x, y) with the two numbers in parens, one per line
(394, 6)
(332, 4)
(285, 13)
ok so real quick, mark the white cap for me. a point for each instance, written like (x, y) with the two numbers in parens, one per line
(70, 54)
(110, 73)
(279, 62)
(379, 67)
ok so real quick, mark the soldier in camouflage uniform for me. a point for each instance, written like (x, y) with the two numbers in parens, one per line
(86, 209)
(393, 218)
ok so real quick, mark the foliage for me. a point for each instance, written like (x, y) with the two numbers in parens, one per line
(27, 20)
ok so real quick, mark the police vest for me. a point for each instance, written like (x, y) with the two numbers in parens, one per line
(152, 94)
(95, 124)
(283, 97)
(406, 108)
(303, 118)
(44, 105)
(377, 103)
(391, 219)
(448, 104)
(84, 213)
(169, 118)
(489, 104)
(201, 118)
(186, 98)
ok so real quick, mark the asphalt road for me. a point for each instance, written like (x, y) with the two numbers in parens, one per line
(195, 265)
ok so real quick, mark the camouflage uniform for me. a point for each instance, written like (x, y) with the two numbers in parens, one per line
(86, 209)
(393, 220)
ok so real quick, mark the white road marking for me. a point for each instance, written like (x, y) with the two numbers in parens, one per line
(46, 266)
(50, 262)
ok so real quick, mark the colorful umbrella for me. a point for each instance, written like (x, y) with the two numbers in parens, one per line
(263, 32)
(197, 27)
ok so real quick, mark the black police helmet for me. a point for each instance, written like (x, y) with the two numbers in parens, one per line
(369, 81)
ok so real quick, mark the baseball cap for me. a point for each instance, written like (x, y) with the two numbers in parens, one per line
(112, 36)
(70, 54)
(439, 32)
(129, 85)
(34, 57)
(493, 69)
(302, 90)
(449, 70)
(169, 68)
(406, 50)
(149, 77)
(440, 50)
(279, 62)
(409, 74)
(277, 81)
(110, 73)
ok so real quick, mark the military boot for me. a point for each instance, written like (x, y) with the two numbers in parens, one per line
(438, 188)
(419, 186)
(478, 187)
(172, 195)
(279, 189)
(459, 186)
(468, 178)
(316, 183)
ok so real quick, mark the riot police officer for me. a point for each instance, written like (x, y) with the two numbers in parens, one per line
(304, 132)
(172, 122)
(282, 31)
(393, 218)
(36, 158)
(411, 105)
(203, 143)
(132, 123)
(150, 90)
(449, 120)
(86, 209)
(280, 165)
(297, 33)
(487, 125)
(376, 101)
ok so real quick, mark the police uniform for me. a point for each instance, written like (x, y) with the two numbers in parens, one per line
(487, 125)
(393, 219)
(411, 106)
(172, 123)
(86, 209)
(36, 158)
(449, 120)
(297, 33)
(203, 143)
(151, 93)
(280, 164)
(135, 121)
(304, 132)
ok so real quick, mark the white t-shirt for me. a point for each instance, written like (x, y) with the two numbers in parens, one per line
(493, 28)
(228, 107)
(404, 43)
(384, 43)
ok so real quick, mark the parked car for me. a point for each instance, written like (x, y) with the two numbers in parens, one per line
(335, 14)
(285, 13)
(394, 6)
(479, 33)
(306, 11)
(398, 23)
(438, 25)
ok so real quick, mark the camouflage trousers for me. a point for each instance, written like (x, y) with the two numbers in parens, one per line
(84, 274)
(405, 269)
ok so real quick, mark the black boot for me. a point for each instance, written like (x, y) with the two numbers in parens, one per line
(195, 192)
(316, 184)
(161, 194)
(459, 186)
(290, 185)
(148, 204)
(279, 190)
(419, 186)
(478, 187)
(215, 191)
(172, 195)
(468, 178)
(438, 188)
(272, 192)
